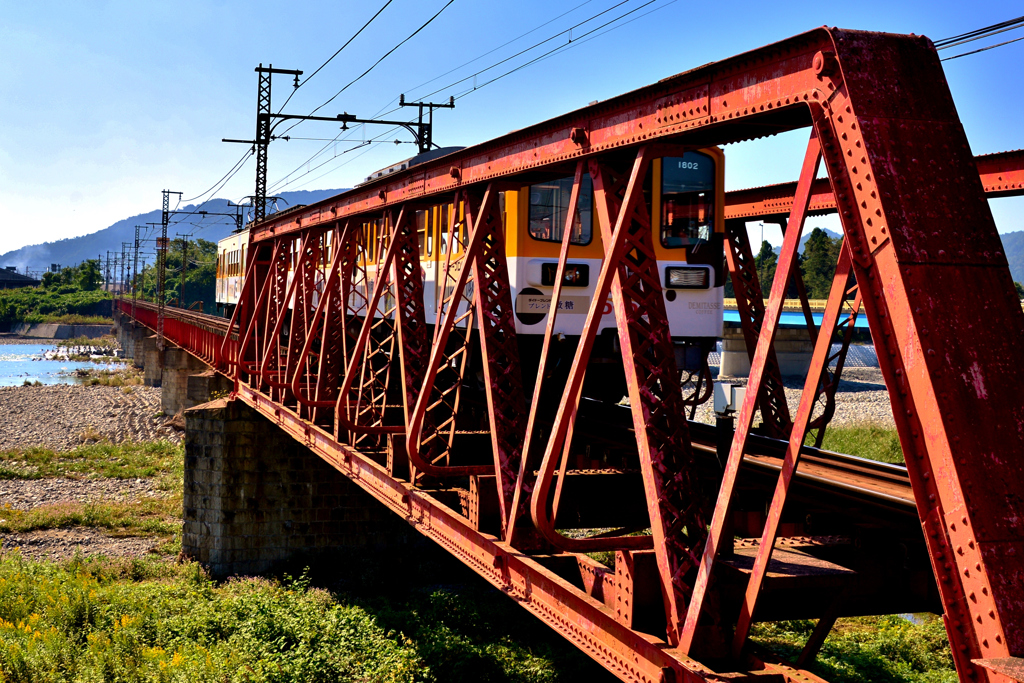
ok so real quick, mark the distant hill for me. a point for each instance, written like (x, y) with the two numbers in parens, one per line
(1013, 247)
(803, 241)
(38, 257)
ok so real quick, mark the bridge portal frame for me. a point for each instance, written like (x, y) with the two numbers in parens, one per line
(920, 242)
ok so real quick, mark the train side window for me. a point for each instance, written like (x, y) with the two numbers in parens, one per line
(443, 227)
(549, 203)
(423, 233)
(687, 200)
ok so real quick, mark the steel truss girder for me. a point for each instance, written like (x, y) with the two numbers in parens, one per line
(1001, 173)
(922, 247)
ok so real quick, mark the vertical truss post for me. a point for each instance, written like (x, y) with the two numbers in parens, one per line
(723, 507)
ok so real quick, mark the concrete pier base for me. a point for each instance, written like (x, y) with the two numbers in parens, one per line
(178, 366)
(255, 499)
(793, 348)
(130, 336)
(152, 361)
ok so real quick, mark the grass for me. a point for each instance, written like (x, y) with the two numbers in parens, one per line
(161, 461)
(127, 376)
(146, 620)
(887, 649)
(869, 441)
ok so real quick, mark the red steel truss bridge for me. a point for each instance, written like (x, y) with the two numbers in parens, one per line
(444, 426)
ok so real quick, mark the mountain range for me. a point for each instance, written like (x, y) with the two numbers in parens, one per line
(38, 257)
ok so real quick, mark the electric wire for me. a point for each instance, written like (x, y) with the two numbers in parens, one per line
(278, 184)
(538, 44)
(329, 59)
(553, 51)
(976, 34)
(374, 65)
(990, 47)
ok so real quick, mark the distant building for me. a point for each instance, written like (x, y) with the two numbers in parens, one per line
(11, 279)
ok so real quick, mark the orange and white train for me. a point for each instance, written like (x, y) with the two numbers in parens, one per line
(685, 198)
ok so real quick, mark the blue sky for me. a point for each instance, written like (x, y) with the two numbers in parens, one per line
(104, 104)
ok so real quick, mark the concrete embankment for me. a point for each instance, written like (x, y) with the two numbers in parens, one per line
(59, 331)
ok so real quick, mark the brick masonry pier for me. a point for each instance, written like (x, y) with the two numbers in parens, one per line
(255, 499)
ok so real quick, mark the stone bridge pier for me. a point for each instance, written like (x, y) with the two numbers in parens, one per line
(255, 499)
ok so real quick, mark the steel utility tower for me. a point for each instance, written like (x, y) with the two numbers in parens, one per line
(161, 267)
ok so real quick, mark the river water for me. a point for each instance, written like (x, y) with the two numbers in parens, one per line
(25, 362)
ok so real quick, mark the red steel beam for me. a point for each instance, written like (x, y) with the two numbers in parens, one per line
(1002, 175)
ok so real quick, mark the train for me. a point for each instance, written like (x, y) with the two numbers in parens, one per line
(685, 197)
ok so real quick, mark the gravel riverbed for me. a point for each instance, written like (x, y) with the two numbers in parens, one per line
(25, 494)
(63, 416)
(861, 400)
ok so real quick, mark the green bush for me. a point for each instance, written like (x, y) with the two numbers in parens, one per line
(36, 305)
(132, 622)
(887, 649)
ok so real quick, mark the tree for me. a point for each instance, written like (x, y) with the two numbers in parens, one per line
(819, 263)
(1020, 290)
(201, 274)
(766, 262)
(88, 276)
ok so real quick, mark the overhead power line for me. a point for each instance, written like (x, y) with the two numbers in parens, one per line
(329, 59)
(978, 34)
(983, 49)
(573, 41)
(374, 65)
(992, 30)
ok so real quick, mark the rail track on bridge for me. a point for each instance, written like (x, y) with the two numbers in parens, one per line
(497, 461)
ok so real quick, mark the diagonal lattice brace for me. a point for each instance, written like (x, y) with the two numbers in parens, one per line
(697, 609)
(750, 305)
(674, 498)
(808, 399)
(506, 400)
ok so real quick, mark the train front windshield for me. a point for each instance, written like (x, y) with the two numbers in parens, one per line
(687, 199)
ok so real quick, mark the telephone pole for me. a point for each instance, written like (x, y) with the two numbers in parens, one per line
(263, 121)
(161, 268)
(125, 265)
(184, 269)
(135, 274)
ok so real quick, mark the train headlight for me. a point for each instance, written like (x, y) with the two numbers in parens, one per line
(576, 274)
(687, 277)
